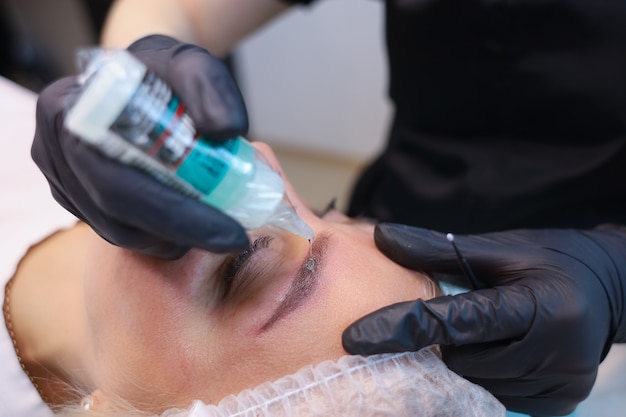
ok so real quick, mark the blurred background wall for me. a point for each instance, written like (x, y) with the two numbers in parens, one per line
(314, 80)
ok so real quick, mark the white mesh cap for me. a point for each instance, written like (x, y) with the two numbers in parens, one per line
(407, 384)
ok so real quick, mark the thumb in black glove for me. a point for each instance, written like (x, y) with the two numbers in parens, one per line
(127, 207)
(536, 338)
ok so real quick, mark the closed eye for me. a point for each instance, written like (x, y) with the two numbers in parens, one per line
(235, 263)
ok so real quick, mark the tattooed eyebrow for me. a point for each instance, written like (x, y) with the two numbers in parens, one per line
(303, 285)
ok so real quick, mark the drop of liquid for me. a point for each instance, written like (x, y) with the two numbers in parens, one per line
(310, 264)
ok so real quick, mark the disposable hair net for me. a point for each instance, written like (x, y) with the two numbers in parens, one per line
(407, 384)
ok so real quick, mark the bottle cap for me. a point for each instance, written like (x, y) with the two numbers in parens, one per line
(114, 76)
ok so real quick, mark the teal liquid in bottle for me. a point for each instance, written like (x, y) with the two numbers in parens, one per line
(131, 115)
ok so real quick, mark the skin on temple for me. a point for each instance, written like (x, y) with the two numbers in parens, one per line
(164, 333)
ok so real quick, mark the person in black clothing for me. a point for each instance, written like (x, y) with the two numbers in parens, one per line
(508, 115)
(24, 56)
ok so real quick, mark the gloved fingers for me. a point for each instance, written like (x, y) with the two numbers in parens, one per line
(136, 200)
(201, 80)
(492, 360)
(126, 236)
(46, 147)
(415, 248)
(494, 258)
(512, 381)
(541, 396)
(122, 204)
(51, 143)
(476, 317)
(550, 329)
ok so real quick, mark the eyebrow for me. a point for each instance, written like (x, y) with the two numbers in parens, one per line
(303, 285)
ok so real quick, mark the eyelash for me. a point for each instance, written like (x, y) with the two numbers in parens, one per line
(237, 261)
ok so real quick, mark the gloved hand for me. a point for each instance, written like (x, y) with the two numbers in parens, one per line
(128, 207)
(536, 338)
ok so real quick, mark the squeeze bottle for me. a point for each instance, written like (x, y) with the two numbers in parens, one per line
(132, 115)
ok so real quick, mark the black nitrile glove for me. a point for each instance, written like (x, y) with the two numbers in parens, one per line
(126, 206)
(536, 338)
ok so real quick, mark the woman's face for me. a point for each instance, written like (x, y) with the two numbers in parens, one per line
(208, 325)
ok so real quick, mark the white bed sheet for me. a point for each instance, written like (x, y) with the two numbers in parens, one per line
(28, 213)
